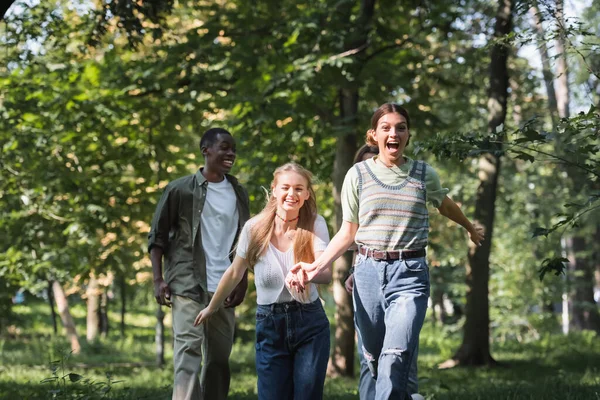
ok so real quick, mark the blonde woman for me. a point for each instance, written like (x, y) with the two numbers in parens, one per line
(292, 336)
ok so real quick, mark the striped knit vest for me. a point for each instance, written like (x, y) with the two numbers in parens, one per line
(392, 217)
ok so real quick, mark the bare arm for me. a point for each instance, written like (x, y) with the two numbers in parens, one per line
(338, 245)
(452, 211)
(325, 275)
(231, 278)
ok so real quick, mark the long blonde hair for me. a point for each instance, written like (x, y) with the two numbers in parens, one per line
(262, 230)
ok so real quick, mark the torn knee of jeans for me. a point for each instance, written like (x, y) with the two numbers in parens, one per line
(395, 352)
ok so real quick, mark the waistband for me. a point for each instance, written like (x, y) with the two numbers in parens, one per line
(391, 254)
(278, 308)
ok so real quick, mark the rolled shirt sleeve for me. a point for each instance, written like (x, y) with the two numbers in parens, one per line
(163, 220)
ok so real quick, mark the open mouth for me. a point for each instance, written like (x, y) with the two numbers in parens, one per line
(228, 163)
(392, 145)
(291, 202)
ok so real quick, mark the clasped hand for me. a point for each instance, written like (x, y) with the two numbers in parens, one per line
(300, 275)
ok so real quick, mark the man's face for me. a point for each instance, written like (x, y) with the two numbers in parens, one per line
(220, 156)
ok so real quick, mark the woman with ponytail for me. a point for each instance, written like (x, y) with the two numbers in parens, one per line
(292, 330)
(384, 203)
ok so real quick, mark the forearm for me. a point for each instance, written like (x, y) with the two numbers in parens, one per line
(452, 211)
(338, 245)
(156, 255)
(324, 276)
(231, 278)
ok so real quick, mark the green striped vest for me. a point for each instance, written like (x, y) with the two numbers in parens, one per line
(392, 217)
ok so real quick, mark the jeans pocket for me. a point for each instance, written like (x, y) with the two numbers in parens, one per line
(262, 315)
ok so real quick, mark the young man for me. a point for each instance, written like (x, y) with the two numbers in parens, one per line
(195, 227)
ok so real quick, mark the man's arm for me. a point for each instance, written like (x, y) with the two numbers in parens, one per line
(163, 220)
(162, 293)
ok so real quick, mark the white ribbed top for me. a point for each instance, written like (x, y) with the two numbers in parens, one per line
(273, 266)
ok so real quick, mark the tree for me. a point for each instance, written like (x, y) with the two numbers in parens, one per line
(475, 347)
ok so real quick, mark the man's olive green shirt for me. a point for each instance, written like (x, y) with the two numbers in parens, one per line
(176, 230)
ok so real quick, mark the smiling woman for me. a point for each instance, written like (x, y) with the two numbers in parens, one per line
(292, 330)
(384, 203)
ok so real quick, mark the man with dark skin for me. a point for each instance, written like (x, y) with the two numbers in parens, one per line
(195, 227)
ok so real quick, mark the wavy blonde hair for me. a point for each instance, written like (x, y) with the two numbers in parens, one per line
(262, 230)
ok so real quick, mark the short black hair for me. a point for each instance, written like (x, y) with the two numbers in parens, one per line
(210, 136)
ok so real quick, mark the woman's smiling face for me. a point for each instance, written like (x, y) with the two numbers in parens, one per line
(291, 191)
(391, 136)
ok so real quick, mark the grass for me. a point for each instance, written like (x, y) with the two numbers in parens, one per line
(35, 365)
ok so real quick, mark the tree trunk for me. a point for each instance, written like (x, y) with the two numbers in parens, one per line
(562, 73)
(579, 295)
(93, 309)
(5, 305)
(67, 320)
(546, 68)
(123, 285)
(52, 311)
(583, 309)
(159, 337)
(103, 314)
(342, 356)
(475, 347)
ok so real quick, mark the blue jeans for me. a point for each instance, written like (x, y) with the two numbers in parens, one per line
(366, 383)
(292, 350)
(390, 302)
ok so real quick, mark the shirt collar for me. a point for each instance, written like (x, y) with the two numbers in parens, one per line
(201, 179)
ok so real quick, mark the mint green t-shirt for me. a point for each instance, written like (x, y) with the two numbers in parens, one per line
(389, 176)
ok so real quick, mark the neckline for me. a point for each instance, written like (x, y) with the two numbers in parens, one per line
(403, 167)
(281, 251)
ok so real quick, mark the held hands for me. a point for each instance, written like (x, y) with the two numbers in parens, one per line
(476, 234)
(204, 315)
(304, 273)
(293, 282)
(162, 293)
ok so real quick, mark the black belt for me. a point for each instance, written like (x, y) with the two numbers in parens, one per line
(278, 308)
(391, 254)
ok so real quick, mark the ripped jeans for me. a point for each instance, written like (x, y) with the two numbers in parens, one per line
(390, 302)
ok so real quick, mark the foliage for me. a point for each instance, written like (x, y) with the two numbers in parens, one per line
(66, 385)
(531, 143)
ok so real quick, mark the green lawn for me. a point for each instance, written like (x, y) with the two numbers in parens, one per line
(554, 367)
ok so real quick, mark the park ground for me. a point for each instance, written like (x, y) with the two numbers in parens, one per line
(36, 365)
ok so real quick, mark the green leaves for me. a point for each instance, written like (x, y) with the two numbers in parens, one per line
(556, 265)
